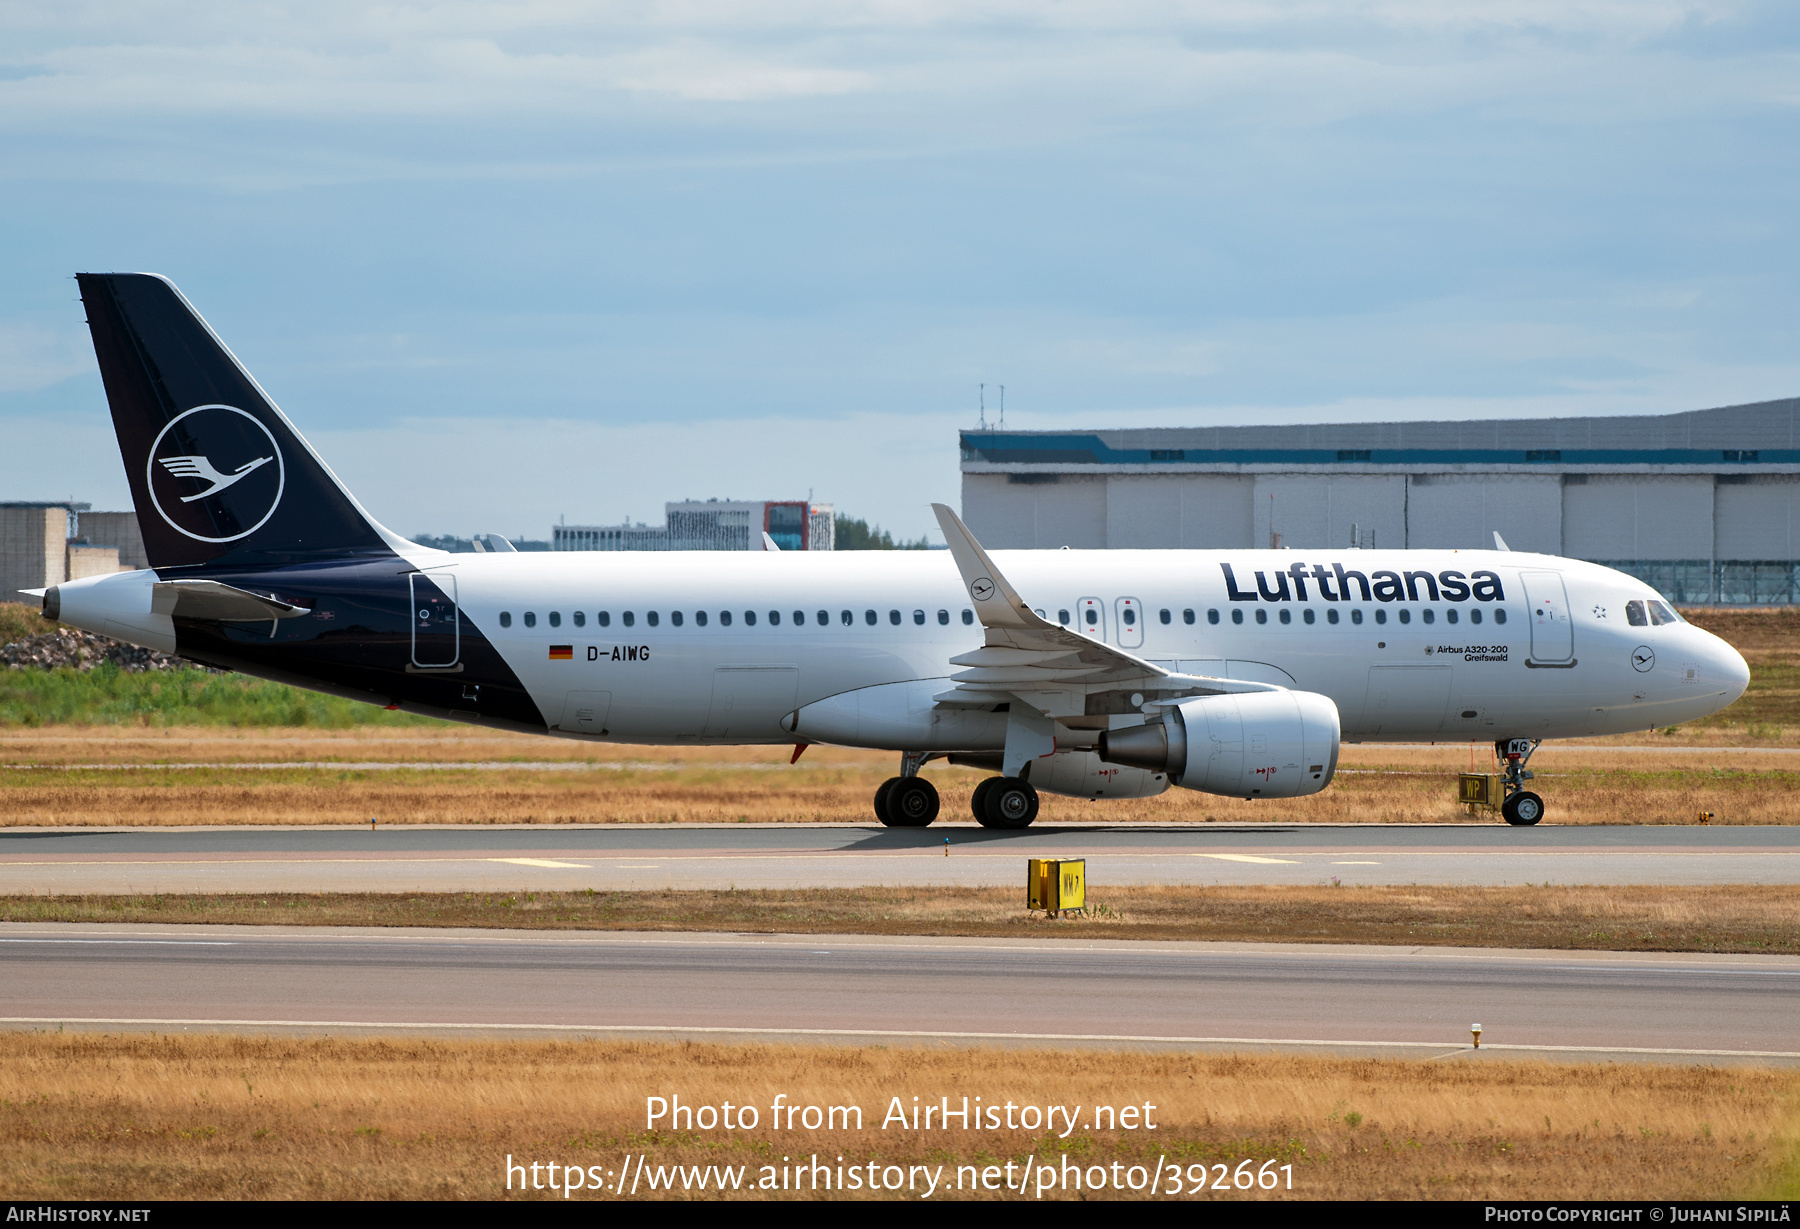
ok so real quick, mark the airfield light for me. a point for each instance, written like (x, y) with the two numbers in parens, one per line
(1475, 1032)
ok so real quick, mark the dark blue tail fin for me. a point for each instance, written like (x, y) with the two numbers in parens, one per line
(218, 474)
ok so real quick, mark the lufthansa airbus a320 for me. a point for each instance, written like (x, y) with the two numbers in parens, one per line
(1095, 674)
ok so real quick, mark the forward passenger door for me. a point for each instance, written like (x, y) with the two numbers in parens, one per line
(1552, 631)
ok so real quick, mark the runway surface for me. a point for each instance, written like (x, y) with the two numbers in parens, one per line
(1401, 1001)
(557, 857)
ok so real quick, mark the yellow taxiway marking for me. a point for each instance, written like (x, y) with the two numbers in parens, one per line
(1244, 857)
(560, 866)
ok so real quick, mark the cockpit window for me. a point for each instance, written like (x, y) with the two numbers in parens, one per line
(1634, 614)
(1661, 614)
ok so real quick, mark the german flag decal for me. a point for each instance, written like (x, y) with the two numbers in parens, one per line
(562, 652)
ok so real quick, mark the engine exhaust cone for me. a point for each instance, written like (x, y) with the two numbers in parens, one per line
(1138, 746)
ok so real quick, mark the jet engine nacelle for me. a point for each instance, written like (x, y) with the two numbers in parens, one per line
(1263, 744)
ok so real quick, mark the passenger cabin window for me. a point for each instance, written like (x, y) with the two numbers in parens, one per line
(944, 618)
(1164, 616)
(1405, 616)
(919, 617)
(800, 618)
(1474, 616)
(556, 618)
(675, 617)
(824, 617)
(1237, 616)
(604, 618)
(894, 617)
(1062, 617)
(749, 618)
(1187, 616)
(700, 617)
(652, 618)
(774, 618)
(1661, 614)
(1130, 617)
(846, 618)
(1450, 615)
(506, 618)
(1499, 616)
(1307, 615)
(968, 617)
(1287, 615)
(1356, 616)
(531, 618)
(1262, 616)
(869, 617)
(628, 618)
(1380, 616)
(1212, 616)
(1634, 615)
(1429, 615)
(724, 618)
(1093, 616)
(1331, 616)
(580, 617)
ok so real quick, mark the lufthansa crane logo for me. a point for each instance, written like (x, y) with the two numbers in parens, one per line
(1642, 658)
(215, 473)
(982, 589)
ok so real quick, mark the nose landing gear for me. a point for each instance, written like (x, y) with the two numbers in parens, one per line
(1521, 808)
(908, 800)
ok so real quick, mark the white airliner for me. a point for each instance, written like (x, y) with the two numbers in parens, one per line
(1095, 674)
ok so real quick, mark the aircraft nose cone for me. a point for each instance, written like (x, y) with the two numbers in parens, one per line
(1734, 671)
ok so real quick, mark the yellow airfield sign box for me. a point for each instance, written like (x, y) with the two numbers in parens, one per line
(1056, 884)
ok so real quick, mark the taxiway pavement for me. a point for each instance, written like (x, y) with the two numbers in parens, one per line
(1399, 1001)
(453, 858)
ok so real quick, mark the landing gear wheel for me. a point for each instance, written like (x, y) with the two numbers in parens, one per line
(1523, 809)
(881, 797)
(910, 802)
(1010, 803)
(978, 801)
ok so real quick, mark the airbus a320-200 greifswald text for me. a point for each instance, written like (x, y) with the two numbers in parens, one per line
(1097, 674)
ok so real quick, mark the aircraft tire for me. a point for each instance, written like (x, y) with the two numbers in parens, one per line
(912, 802)
(1011, 804)
(881, 796)
(1523, 809)
(978, 800)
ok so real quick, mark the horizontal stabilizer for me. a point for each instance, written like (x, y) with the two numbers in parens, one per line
(211, 599)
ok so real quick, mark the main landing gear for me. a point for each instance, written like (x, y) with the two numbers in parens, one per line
(1004, 802)
(1521, 808)
(908, 800)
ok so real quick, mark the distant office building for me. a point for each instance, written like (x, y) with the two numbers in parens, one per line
(713, 524)
(1703, 505)
(45, 543)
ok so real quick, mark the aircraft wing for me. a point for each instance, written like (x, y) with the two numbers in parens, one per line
(1055, 669)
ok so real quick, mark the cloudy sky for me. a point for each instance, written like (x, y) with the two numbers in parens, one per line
(509, 262)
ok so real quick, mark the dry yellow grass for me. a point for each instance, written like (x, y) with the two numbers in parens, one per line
(86, 1116)
(1754, 918)
(291, 777)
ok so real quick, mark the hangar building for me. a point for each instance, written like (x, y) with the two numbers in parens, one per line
(1704, 505)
